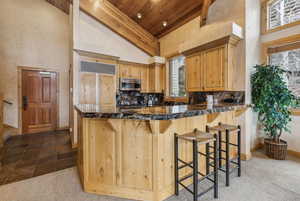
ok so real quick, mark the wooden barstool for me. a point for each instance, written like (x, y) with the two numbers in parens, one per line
(228, 130)
(197, 137)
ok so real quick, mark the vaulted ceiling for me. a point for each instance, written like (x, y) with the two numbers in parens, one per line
(121, 16)
(155, 12)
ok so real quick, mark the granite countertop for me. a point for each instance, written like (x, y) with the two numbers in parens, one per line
(154, 113)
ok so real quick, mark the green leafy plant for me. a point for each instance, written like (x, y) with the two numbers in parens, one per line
(272, 99)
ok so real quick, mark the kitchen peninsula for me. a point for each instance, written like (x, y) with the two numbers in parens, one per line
(129, 153)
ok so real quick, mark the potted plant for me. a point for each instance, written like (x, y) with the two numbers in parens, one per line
(272, 100)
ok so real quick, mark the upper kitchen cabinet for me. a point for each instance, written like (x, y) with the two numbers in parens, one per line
(212, 67)
(156, 78)
(145, 79)
(194, 73)
(130, 70)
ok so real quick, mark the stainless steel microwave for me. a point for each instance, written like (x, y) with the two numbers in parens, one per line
(130, 84)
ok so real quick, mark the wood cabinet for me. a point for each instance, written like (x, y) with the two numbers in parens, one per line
(194, 73)
(138, 165)
(97, 89)
(152, 76)
(107, 85)
(145, 79)
(214, 69)
(156, 78)
(130, 70)
(213, 66)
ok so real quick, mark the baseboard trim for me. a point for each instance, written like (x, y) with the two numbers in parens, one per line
(63, 128)
(246, 157)
(257, 147)
(289, 151)
(294, 153)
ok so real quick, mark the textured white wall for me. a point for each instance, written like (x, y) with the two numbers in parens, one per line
(95, 37)
(253, 53)
(36, 34)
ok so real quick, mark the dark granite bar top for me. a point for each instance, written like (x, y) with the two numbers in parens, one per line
(156, 112)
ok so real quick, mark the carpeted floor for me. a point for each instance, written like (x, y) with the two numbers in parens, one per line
(263, 180)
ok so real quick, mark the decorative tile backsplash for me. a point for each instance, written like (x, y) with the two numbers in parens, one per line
(134, 98)
(221, 97)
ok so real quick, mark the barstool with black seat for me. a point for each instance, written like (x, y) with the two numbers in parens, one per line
(197, 138)
(228, 130)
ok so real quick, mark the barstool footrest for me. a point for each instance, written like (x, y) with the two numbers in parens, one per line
(231, 169)
(185, 163)
(185, 177)
(203, 154)
(186, 188)
(230, 143)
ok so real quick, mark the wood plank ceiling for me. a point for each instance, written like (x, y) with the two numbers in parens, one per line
(63, 5)
(155, 12)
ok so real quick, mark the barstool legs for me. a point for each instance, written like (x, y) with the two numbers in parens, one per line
(227, 159)
(176, 164)
(239, 150)
(216, 168)
(195, 169)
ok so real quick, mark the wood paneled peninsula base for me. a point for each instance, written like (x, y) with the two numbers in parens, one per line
(130, 153)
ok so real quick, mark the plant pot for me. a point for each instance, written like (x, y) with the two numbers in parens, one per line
(276, 150)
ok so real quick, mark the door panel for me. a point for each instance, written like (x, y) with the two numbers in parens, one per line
(213, 61)
(39, 100)
(107, 87)
(87, 88)
(194, 71)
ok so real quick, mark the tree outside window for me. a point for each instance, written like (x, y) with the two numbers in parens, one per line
(290, 61)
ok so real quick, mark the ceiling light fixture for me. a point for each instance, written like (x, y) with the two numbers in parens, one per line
(165, 23)
(139, 15)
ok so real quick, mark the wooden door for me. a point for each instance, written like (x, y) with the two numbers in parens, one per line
(1, 121)
(39, 100)
(107, 90)
(193, 73)
(214, 69)
(87, 88)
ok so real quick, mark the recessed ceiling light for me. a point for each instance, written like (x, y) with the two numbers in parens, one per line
(165, 23)
(139, 15)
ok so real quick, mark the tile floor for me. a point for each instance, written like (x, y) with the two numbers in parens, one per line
(33, 155)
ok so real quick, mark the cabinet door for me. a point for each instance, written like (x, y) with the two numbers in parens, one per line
(107, 90)
(135, 71)
(144, 79)
(124, 71)
(213, 62)
(193, 73)
(152, 80)
(87, 88)
(162, 78)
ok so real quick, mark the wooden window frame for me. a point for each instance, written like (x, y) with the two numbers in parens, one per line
(264, 19)
(168, 97)
(280, 45)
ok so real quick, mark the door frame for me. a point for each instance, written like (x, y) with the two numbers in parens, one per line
(20, 69)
